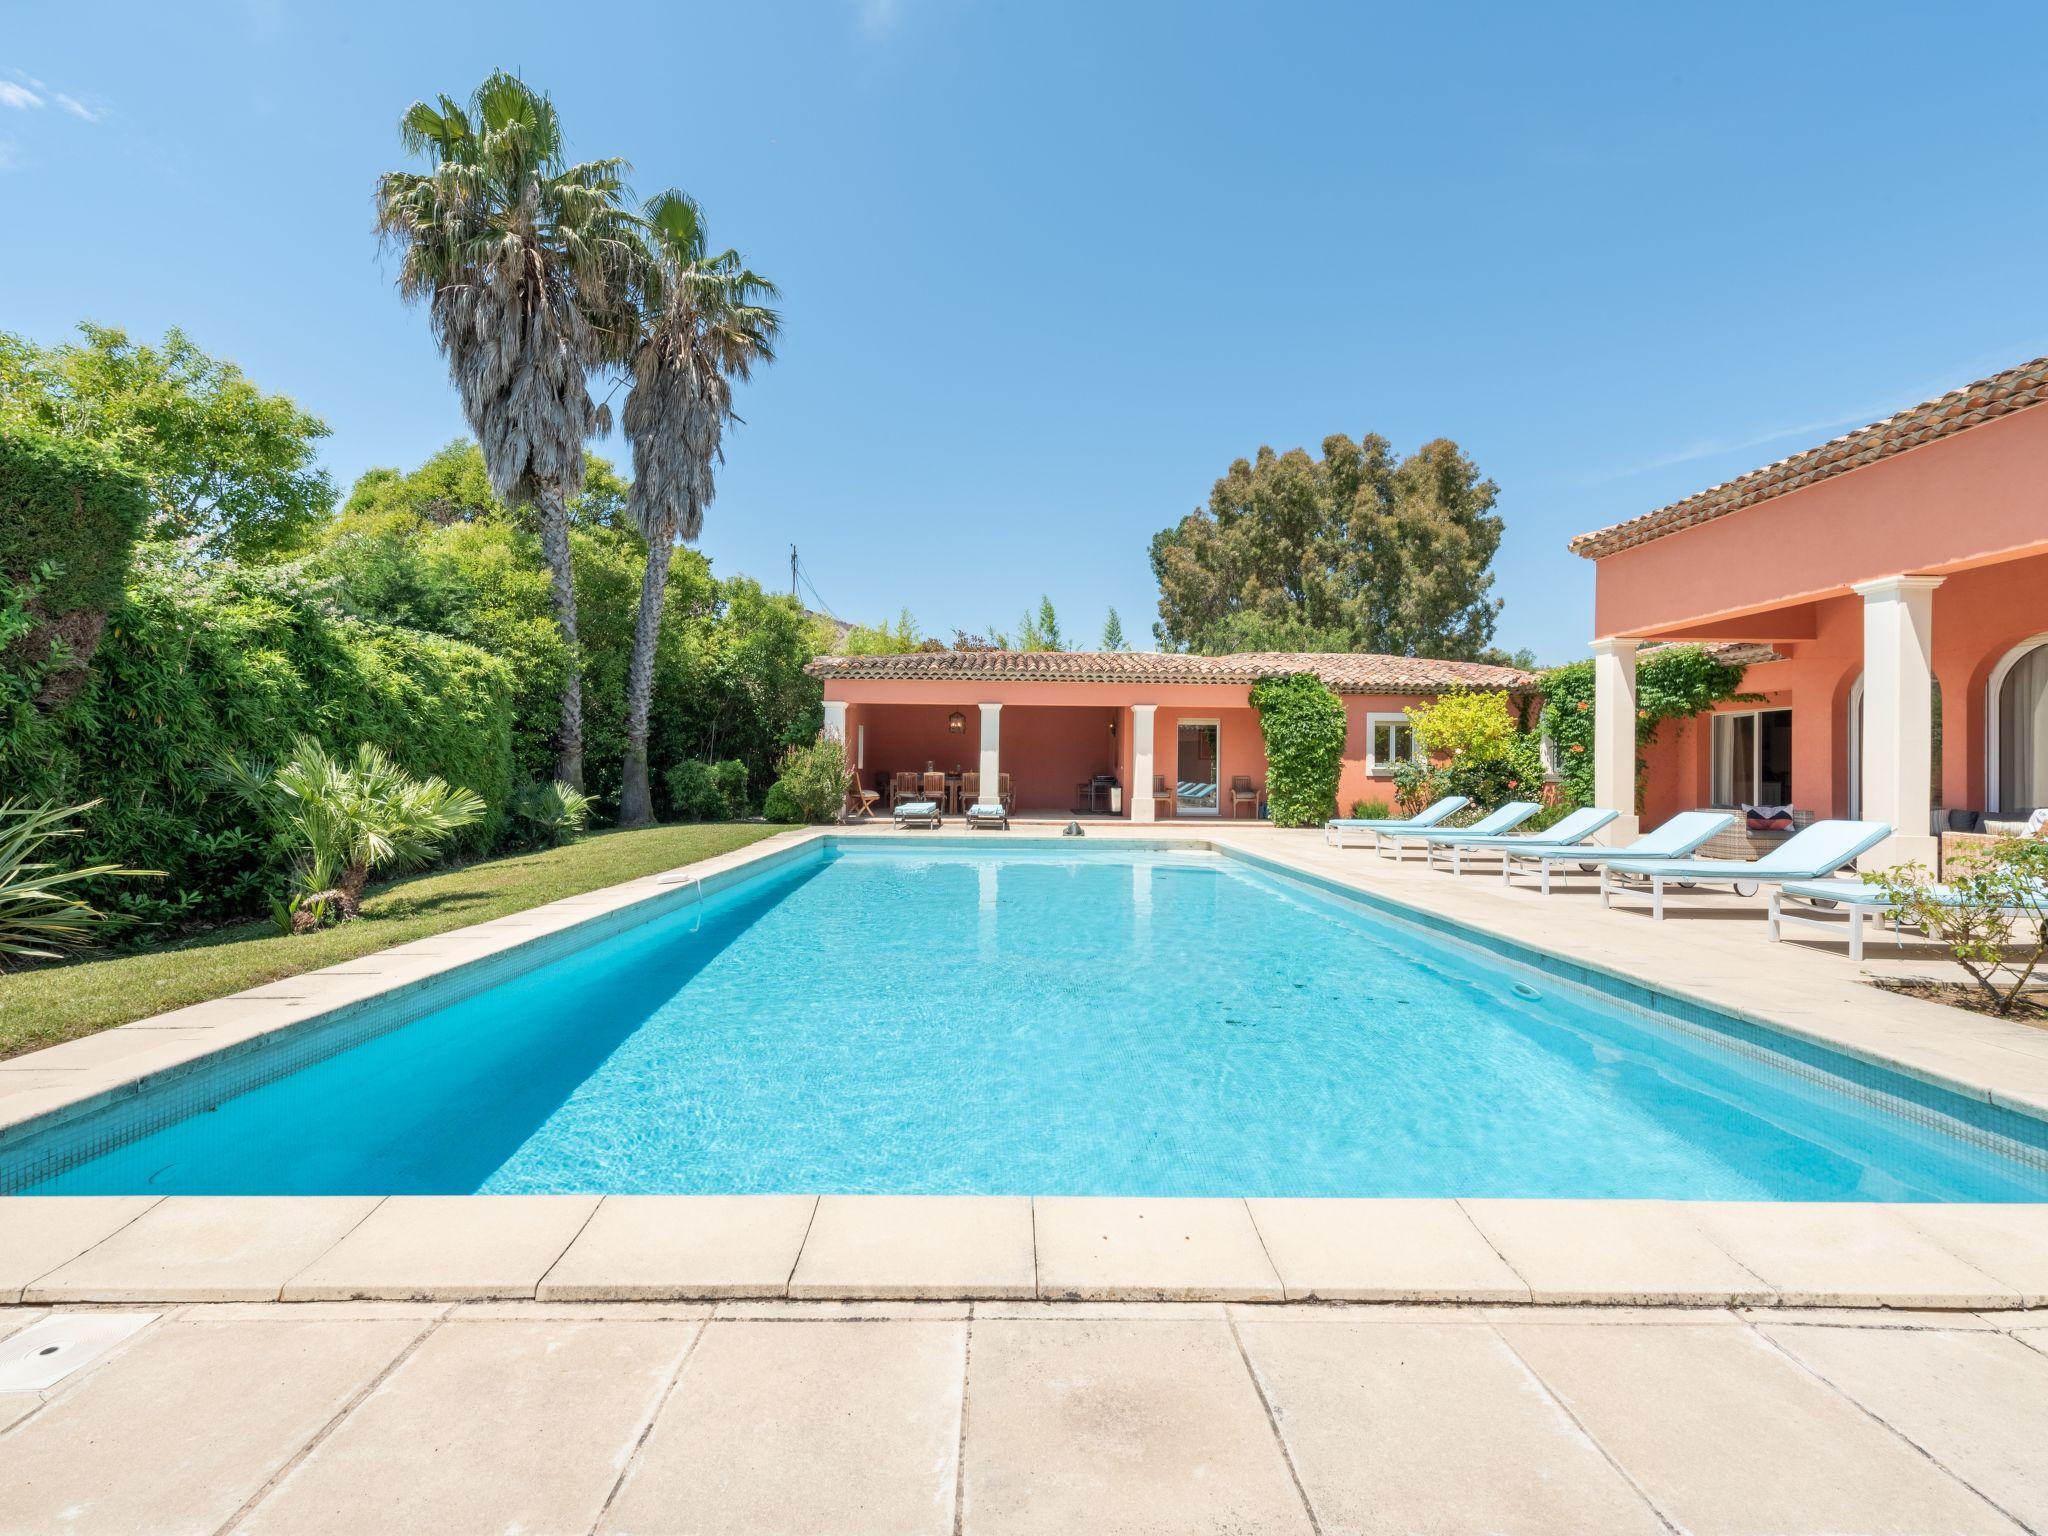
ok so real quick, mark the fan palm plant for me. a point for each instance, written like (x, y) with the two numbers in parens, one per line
(38, 918)
(705, 323)
(526, 264)
(349, 818)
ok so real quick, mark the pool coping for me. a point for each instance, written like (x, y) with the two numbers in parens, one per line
(1615, 1252)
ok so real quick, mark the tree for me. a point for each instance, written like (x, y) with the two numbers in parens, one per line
(1040, 631)
(1113, 633)
(526, 263)
(884, 639)
(1351, 551)
(230, 470)
(705, 325)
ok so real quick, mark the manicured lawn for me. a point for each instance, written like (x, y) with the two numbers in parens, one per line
(42, 1007)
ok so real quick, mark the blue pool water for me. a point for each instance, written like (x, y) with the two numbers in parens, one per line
(941, 1018)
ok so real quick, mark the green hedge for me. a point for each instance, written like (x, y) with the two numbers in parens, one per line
(193, 665)
(1303, 723)
(69, 515)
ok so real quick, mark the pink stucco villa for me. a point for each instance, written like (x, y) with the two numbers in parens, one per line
(1170, 735)
(1899, 577)
(1888, 589)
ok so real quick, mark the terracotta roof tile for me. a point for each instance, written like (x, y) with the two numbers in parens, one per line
(1347, 673)
(1973, 405)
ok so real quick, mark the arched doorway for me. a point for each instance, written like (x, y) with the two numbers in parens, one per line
(1855, 735)
(2016, 730)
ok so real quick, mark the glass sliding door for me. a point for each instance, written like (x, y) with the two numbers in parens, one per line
(1196, 767)
(1753, 758)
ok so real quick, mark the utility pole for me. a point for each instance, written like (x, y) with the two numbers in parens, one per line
(792, 570)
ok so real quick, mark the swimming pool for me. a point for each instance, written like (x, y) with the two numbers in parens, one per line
(995, 1018)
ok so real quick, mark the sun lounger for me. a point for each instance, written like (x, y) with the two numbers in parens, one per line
(1679, 838)
(918, 813)
(1334, 829)
(1798, 903)
(1493, 824)
(1810, 854)
(986, 815)
(1570, 831)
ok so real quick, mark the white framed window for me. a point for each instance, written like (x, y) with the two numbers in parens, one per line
(1389, 739)
(1752, 752)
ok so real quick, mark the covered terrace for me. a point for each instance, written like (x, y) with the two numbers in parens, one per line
(1899, 577)
(1136, 735)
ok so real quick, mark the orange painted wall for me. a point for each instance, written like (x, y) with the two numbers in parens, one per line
(1048, 750)
(1979, 615)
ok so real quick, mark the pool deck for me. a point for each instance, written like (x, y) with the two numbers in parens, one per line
(142, 1250)
(1000, 1418)
(1019, 1365)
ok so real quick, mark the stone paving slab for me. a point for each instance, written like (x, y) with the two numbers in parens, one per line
(907, 1245)
(1628, 1251)
(1975, 1400)
(1128, 1427)
(206, 1248)
(847, 1426)
(665, 1247)
(189, 1422)
(1163, 1250)
(1724, 1433)
(1839, 1255)
(1419, 1426)
(1382, 1250)
(446, 1247)
(486, 1426)
(37, 1236)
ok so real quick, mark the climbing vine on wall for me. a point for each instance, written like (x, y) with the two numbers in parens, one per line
(1673, 682)
(1303, 723)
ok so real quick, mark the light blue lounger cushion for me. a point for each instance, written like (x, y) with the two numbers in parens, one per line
(1675, 839)
(1858, 893)
(1429, 816)
(918, 808)
(1493, 824)
(979, 811)
(1818, 850)
(1575, 828)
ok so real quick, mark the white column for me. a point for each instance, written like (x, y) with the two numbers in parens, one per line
(1898, 705)
(1143, 808)
(991, 736)
(835, 720)
(1614, 735)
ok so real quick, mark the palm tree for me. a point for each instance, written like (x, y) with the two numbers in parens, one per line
(526, 263)
(704, 325)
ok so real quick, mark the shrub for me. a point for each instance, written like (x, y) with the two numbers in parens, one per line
(1994, 920)
(348, 818)
(548, 815)
(1370, 810)
(38, 918)
(1303, 723)
(693, 792)
(812, 787)
(731, 778)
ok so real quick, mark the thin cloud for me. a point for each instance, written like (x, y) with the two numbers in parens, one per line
(878, 18)
(78, 109)
(19, 97)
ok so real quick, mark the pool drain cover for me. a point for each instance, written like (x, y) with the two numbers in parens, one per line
(44, 1353)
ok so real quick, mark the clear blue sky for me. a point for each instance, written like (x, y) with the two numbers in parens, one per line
(1049, 268)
